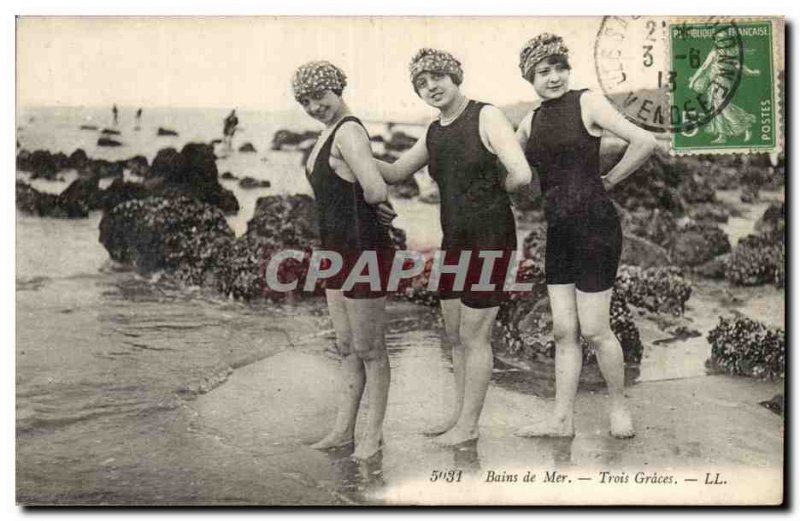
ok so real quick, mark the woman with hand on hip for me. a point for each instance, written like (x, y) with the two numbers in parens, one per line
(348, 188)
(461, 149)
(561, 139)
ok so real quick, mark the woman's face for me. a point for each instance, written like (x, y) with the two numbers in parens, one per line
(436, 89)
(550, 80)
(322, 106)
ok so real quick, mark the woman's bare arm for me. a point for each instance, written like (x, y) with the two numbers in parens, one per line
(502, 140)
(353, 144)
(411, 161)
(641, 144)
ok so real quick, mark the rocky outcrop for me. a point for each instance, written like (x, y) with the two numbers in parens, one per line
(248, 182)
(247, 148)
(286, 138)
(698, 243)
(108, 142)
(31, 201)
(742, 346)
(757, 260)
(186, 237)
(166, 132)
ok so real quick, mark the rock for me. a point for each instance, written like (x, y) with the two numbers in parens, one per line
(228, 175)
(742, 346)
(108, 142)
(30, 200)
(660, 289)
(166, 163)
(698, 243)
(40, 163)
(713, 269)
(773, 222)
(774, 404)
(183, 236)
(656, 225)
(247, 147)
(103, 169)
(137, 166)
(82, 193)
(120, 191)
(78, 159)
(709, 212)
(696, 189)
(756, 260)
(283, 138)
(166, 132)
(526, 324)
(110, 132)
(249, 182)
(637, 251)
(654, 185)
(88, 127)
(749, 195)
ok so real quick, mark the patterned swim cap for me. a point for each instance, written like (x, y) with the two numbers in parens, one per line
(539, 48)
(317, 76)
(434, 60)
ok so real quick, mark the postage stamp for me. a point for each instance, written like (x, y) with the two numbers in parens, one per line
(399, 261)
(731, 69)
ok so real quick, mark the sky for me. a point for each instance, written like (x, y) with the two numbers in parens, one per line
(247, 62)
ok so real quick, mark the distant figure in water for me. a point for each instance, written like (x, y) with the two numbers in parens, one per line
(229, 129)
(115, 112)
(138, 117)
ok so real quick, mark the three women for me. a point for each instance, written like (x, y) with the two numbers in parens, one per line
(464, 150)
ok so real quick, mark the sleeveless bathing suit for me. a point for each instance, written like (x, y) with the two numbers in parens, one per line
(347, 224)
(475, 210)
(584, 238)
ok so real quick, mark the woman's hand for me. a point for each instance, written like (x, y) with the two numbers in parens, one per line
(386, 213)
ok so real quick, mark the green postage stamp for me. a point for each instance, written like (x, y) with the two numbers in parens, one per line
(726, 83)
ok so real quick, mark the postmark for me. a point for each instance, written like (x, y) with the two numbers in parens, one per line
(636, 72)
(710, 84)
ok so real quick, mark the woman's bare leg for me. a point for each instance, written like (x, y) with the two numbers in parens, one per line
(475, 331)
(569, 359)
(594, 316)
(451, 311)
(351, 386)
(368, 323)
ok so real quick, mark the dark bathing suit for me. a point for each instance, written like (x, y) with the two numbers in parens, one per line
(584, 238)
(475, 210)
(348, 225)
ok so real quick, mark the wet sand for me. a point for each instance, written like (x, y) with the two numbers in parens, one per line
(246, 442)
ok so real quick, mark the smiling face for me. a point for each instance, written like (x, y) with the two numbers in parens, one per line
(550, 77)
(324, 106)
(436, 89)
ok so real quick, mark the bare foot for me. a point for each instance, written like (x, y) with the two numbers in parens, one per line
(439, 428)
(456, 436)
(334, 440)
(621, 423)
(367, 448)
(555, 427)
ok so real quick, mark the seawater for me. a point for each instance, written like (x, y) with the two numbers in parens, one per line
(98, 342)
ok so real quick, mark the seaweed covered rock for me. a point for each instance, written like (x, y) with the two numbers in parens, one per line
(756, 260)
(120, 191)
(192, 173)
(286, 138)
(83, 192)
(709, 212)
(656, 225)
(247, 148)
(526, 325)
(745, 347)
(248, 182)
(40, 163)
(773, 222)
(698, 243)
(182, 236)
(696, 188)
(654, 185)
(638, 251)
(662, 290)
(32, 201)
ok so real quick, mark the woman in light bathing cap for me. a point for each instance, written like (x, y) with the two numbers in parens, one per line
(461, 149)
(348, 188)
(561, 139)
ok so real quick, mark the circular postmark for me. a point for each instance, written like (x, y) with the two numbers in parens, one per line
(665, 75)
